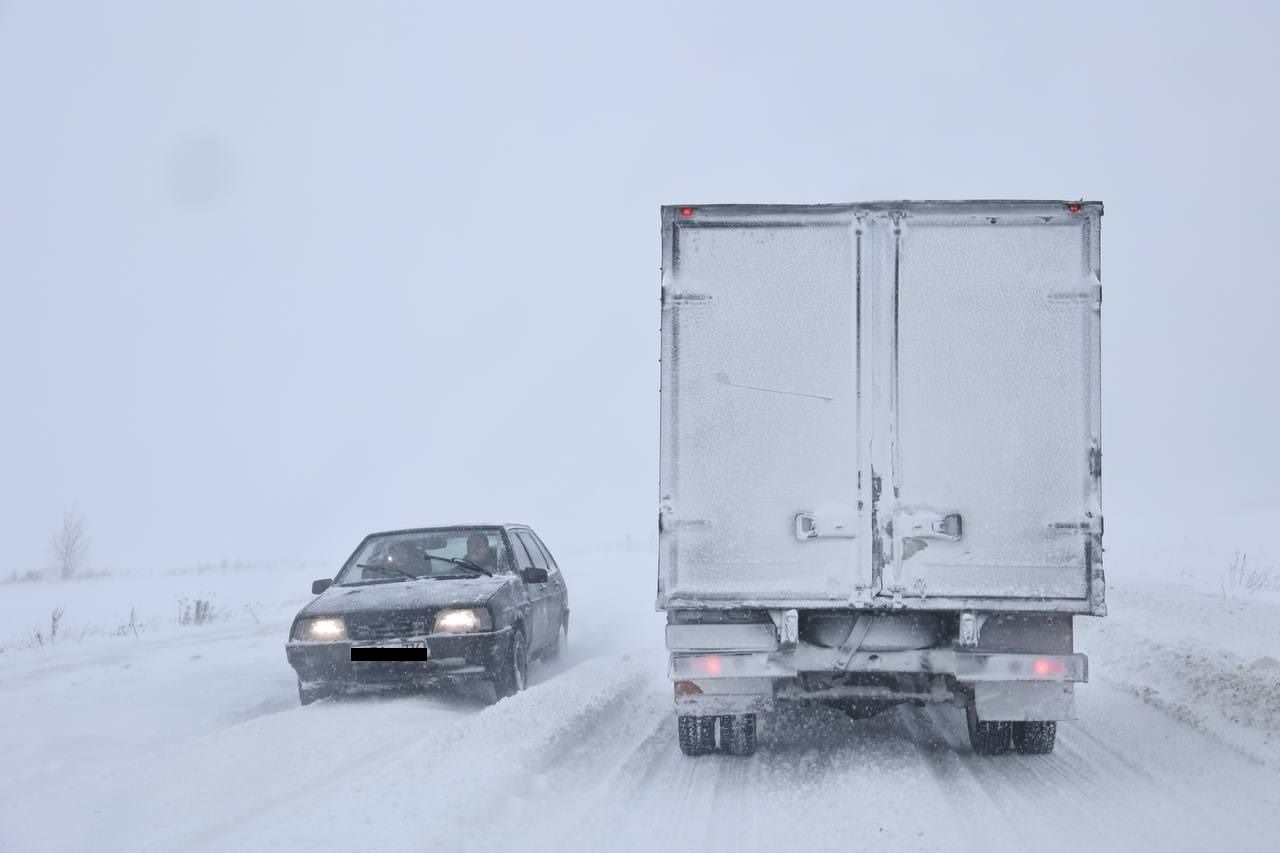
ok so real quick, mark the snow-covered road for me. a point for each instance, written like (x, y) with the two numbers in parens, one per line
(193, 740)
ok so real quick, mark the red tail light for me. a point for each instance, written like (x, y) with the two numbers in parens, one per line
(1074, 207)
(686, 211)
(707, 665)
(1047, 667)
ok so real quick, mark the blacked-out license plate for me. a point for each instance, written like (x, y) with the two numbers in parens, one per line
(399, 651)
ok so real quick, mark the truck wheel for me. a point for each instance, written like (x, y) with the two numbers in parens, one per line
(738, 734)
(697, 734)
(988, 737)
(513, 672)
(1035, 738)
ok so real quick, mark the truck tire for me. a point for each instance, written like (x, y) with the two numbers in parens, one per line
(513, 672)
(1035, 738)
(697, 734)
(738, 734)
(988, 737)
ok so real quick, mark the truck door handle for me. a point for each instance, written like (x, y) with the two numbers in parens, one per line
(831, 521)
(928, 525)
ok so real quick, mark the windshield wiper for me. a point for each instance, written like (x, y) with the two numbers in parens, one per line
(458, 561)
(391, 569)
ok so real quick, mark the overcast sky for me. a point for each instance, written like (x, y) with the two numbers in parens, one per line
(277, 274)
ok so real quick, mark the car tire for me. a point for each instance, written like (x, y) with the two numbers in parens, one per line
(561, 640)
(697, 734)
(988, 737)
(308, 695)
(513, 673)
(1035, 738)
(738, 734)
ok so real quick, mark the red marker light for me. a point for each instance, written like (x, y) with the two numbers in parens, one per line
(686, 211)
(1045, 667)
(1074, 207)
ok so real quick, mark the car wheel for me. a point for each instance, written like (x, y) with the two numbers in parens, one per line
(307, 695)
(697, 734)
(561, 640)
(988, 737)
(513, 674)
(1035, 738)
(738, 734)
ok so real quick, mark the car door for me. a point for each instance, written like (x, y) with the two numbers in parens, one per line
(558, 599)
(528, 554)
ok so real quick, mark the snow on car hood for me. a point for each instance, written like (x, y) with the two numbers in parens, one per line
(407, 595)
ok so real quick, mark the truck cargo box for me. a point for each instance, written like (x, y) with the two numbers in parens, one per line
(886, 405)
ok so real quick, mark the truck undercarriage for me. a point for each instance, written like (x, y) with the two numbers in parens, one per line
(736, 668)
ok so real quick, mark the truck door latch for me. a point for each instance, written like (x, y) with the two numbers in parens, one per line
(929, 525)
(830, 521)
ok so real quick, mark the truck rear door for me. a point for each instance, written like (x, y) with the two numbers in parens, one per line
(761, 443)
(993, 390)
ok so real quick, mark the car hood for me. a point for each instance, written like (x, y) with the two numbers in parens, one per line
(406, 595)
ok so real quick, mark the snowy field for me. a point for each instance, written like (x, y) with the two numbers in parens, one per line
(190, 737)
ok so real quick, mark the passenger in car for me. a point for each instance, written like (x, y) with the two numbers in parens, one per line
(480, 552)
(404, 556)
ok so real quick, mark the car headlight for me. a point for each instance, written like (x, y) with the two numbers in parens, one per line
(320, 630)
(463, 621)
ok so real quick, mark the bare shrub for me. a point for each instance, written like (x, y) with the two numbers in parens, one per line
(1241, 575)
(130, 627)
(41, 636)
(198, 611)
(69, 546)
(34, 576)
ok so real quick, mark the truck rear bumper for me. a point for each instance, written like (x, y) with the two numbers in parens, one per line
(1001, 686)
(964, 666)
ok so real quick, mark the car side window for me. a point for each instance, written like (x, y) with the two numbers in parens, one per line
(522, 558)
(546, 553)
(535, 553)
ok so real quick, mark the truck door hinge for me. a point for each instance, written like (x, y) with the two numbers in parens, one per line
(673, 298)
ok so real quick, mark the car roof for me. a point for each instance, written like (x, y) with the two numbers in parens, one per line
(434, 527)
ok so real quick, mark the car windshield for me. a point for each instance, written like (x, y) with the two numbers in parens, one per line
(443, 552)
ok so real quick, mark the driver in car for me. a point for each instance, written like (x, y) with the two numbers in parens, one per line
(480, 552)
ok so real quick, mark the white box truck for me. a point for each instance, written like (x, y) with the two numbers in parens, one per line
(880, 475)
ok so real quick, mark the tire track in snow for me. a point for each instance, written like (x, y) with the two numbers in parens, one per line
(427, 789)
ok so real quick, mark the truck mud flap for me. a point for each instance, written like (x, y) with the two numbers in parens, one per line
(1020, 701)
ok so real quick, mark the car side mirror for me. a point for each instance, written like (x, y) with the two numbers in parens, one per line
(320, 586)
(533, 575)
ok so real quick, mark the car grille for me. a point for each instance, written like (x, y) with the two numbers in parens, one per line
(375, 627)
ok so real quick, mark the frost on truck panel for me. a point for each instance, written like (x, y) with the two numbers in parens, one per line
(767, 413)
(938, 361)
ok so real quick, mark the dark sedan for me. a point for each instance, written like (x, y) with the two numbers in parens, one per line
(438, 604)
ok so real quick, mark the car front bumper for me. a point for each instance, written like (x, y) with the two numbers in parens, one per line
(450, 657)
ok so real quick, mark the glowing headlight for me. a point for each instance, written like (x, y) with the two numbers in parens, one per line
(322, 629)
(463, 621)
